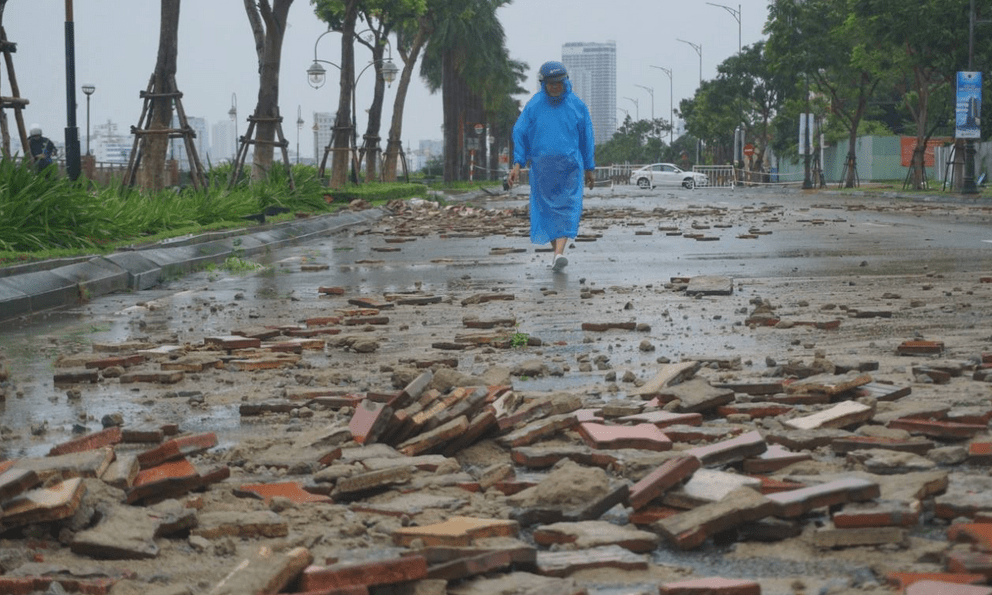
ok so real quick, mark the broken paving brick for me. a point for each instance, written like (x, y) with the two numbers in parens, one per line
(107, 437)
(371, 302)
(961, 559)
(662, 419)
(881, 513)
(590, 534)
(471, 565)
(668, 374)
(830, 536)
(77, 377)
(707, 486)
(565, 563)
(696, 396)
(369, 421)
(901, 580)
(690, 529)
(708, 433)
(795, 503)
(929, 587)
(27, 585)
(16, 481)
(966, 496)
(89, 463)
(152, 377)
(653, 485)
(589, 511)
(123, 472)
(937, 429)
(541, 457)
(775, 458)
(264, 572)
(123, 361)
(641, 436)
(41, 505)
(737, 449)
(797, 440)
(128, 532)
(841, 415)
(828, 384)
(363, 573)
(754, 410)
(882, 392)
(247, 525)
(409, 504)
(920, 347)
(232, 342)
(456, 531)
(177, 448)
(290, 490)
(356, 486)
(711, 586)
(918, 445)
(601, 327)
(536, 430)
(434, 438)
(486, 297)
(171, 480)
(754, 388)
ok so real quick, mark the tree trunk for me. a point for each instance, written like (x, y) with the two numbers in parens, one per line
(371, 140)
(155, 147)
(343, 127)
(452, 123)
(268, 23)
(395, 142)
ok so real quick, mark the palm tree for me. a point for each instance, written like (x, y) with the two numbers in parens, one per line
(464, 55)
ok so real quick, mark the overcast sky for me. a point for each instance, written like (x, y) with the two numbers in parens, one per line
(116, 42)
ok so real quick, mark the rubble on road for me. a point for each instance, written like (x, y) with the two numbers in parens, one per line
(434, 480)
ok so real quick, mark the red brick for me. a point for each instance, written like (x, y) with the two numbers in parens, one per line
(456, 531)
(125, 361)
(26, 585)
(942, 588)
(177, 448)
(924, 347)
(711, 586)
(979, 534)
(965, 562)
(172, 470)
(641, 436)
(663, 419)
(668, 475)
(729, 451)
(565, 563)
(16, 481)
(690, 529)
(901, 580)
(107, 437)
(290, 489)
(368, 574)
(877, 514)
(54, 503)
(798, 502)
(754, 410)
(232, 342)
(775, 458)
(650, 514)
(356, 590)
(369, 420)
(918, 446)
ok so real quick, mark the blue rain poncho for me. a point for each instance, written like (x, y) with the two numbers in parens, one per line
(555, 134)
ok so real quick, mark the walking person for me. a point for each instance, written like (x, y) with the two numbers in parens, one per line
(43, 150)
(554, 133)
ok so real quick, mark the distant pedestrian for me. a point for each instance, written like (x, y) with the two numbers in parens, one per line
(43, 151)
(554, 133)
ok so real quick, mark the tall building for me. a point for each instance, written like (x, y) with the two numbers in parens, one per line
(323, 126)
(592, 68)
(223, 146)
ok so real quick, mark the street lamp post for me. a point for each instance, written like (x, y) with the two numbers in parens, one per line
(317, 75)
(807, 181)
(299, 128)
(650, 91)
(699, 50)
(72, 165)
(233, 112)
(88, 89)
(671, 104)
(968, 185)
(740, 98)
(637, 108)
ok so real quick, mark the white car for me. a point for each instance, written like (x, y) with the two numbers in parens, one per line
(666, 174)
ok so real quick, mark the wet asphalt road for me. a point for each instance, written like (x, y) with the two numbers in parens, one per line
(802, 236)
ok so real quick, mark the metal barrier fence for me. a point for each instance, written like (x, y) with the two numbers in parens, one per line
(718, 176)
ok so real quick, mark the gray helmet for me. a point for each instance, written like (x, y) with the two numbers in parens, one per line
(35, 130)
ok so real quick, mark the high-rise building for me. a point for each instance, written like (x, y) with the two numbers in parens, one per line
(323, 127)
(592, 68)
(223, 146)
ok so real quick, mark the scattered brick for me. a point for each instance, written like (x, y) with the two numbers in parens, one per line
(456, 531)
(737, 449)
(901, 580)
(600, 327)
(841, 415)
(152, 377)
(937, 429)
(247, 525)
(656, 483)
(881, 513)
(696, 396)
(927, 587)
(668, 374)
(565, 563)
(707, 486)
(232, 342)
(662, 419)
(177, 448)
(41, 505)
(920, 347)
(641, 436)
(690, 529)
(363, 483)
(775, 458)
(711, 586)
(369, 421)
(290, 490)
(798, 502)
(589, 534)
(918, 446)
(17, 481)
(100, 439)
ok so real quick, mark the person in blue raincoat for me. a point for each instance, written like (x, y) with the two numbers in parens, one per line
(554, 133)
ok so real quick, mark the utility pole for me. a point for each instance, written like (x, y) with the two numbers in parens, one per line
(968, 186)
(671, 105)
(740, 96)
(699, 50)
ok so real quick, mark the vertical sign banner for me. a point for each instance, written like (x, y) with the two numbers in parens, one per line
(968, 111)
(805, 128)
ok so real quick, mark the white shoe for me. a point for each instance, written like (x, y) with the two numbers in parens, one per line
(559, 263)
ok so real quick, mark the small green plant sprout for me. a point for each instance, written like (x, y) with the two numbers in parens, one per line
(519, 340)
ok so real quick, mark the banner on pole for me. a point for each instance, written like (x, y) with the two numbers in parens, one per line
(968, 111)
(806, 125)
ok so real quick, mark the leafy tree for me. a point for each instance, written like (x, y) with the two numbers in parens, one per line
(711, 115)
(345, 13)
(465, 55)
(268, 26)
(763, 89)
(412, 32)
(924, 58)
(635, 142)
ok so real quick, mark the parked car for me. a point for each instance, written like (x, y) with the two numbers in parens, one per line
(667, 174)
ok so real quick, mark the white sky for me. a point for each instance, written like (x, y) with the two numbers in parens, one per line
(117, 42)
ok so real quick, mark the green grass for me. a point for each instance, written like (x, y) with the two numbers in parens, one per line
(46, 216)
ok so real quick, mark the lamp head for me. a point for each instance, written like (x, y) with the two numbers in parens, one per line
(89, 89)
(389, 70)
(316, 75)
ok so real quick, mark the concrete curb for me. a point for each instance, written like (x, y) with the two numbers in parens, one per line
(36, 287)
